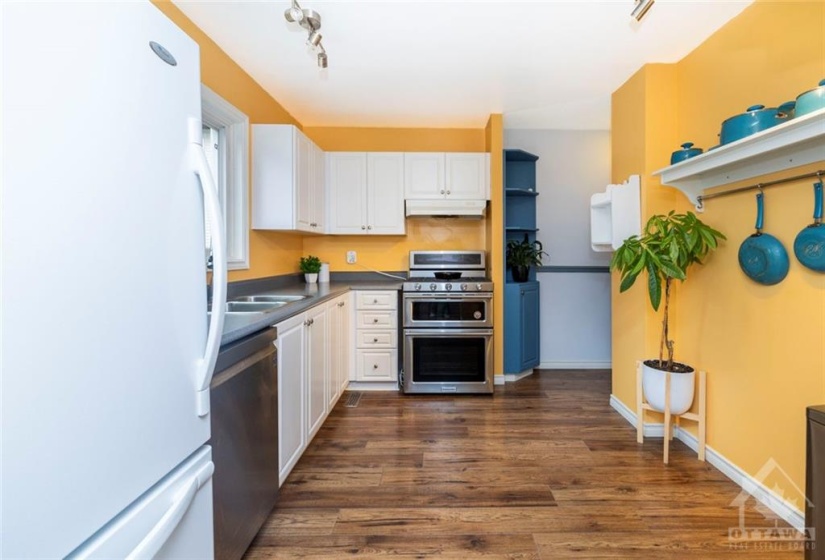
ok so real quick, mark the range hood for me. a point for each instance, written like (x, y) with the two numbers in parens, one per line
(446, 207)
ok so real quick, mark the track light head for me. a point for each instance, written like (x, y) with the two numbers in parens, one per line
(314, 38)
(322, 60)
(641, 8)
(294, 14)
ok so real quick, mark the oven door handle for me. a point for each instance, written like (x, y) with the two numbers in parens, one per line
(451, 333)
(445, 296)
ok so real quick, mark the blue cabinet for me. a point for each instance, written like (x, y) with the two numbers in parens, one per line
(521, 300)
(522, 331)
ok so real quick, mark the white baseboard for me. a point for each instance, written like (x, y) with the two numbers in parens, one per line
(511, 377)
(761, 493)
(372, 386)
(556, 364)
(498, 379)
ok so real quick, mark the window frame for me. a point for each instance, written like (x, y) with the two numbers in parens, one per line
(233, 180)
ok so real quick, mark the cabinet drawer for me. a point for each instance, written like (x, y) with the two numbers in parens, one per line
(377, 339)
(376, 365)
(377, 320)
(376, 300)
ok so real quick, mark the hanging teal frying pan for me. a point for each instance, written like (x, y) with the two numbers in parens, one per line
(762, 256)
(809, 246)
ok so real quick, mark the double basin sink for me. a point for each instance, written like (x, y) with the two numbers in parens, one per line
(241, 310)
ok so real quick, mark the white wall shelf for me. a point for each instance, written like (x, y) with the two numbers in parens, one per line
(797, 142)
(615, 215)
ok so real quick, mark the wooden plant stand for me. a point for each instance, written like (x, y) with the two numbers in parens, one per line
(699, 417)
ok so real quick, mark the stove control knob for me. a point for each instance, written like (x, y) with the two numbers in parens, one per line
(464, 287)
(418, 286)
(478, 287)
(433, 286)
(448, 287)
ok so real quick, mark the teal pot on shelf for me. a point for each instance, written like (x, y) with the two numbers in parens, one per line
(521, 273)
(812, 100)
(755, 119)
(687, 152)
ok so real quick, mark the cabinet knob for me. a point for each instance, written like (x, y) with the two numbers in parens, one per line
(369, 227)
(363, 227)
(375, 301)
(375, 320)
(375, 340)
(374, 366)
(448, 192)
(341, 304)
(442, 191)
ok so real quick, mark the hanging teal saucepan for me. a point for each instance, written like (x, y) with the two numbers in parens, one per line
(762, 256)
(811, 100)
(809, 246)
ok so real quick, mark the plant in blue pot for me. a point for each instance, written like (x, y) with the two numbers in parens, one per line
(668, 247)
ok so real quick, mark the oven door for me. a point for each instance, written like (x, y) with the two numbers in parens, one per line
(448, 310)
(448, 361)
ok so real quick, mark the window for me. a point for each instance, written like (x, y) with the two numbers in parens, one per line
(226, 145)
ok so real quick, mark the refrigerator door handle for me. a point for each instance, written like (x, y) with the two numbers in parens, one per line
(212, 204)
(163, 529)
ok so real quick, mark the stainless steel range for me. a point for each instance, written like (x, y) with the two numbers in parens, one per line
(448, 323)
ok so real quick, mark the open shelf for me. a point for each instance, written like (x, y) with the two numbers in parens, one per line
(520, 192)
(799, 141)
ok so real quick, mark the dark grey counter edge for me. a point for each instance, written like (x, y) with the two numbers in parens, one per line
(318, 293)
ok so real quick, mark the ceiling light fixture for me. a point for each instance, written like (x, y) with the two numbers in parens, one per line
(311, 21)
(641, 8)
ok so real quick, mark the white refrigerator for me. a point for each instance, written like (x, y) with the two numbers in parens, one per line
(107, 351)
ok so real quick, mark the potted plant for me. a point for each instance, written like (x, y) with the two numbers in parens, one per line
(310, 266)
(668, 246)
(521, 255)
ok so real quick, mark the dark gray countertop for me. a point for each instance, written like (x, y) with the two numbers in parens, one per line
(238, 326)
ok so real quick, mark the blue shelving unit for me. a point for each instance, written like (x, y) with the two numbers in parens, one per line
(521, 299)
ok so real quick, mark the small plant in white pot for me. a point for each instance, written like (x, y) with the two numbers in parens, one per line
(310, 266)
(668, 247)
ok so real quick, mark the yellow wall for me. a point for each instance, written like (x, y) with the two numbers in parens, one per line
(762, 346)
(270, 253)
(494, 143)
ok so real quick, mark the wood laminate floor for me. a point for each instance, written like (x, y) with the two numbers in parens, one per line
(545, 470)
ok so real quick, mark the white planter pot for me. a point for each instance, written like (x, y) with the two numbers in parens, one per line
(311, 278)
(681, 389)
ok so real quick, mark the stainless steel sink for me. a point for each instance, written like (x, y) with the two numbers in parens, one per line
(271, 298)
(253, 306)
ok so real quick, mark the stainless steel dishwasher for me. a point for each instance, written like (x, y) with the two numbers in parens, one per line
(244, 394)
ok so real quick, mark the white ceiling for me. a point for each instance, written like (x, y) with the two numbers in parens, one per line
(544, 64)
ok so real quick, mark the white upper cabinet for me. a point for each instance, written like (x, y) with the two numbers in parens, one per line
(424, 175)
(287, 180)
(365, 193)
(458, 176)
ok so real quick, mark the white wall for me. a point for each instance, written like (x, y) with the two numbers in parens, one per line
(575, 306)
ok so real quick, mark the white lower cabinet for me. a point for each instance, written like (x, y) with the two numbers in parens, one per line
(313, 370)
(376, 336)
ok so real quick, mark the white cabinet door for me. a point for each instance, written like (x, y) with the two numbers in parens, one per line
(347, 191)
(385, 193)
(376, 365)
(334, 315)
(319, 203)
(466, 176)
(424, 175)
(317, 352)
(347, 340)
(304, 179)
(291, 402)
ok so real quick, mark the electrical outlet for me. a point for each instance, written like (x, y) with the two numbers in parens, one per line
(351, 257)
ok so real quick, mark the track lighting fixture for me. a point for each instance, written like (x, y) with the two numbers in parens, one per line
(311, 21)
(641, 8)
